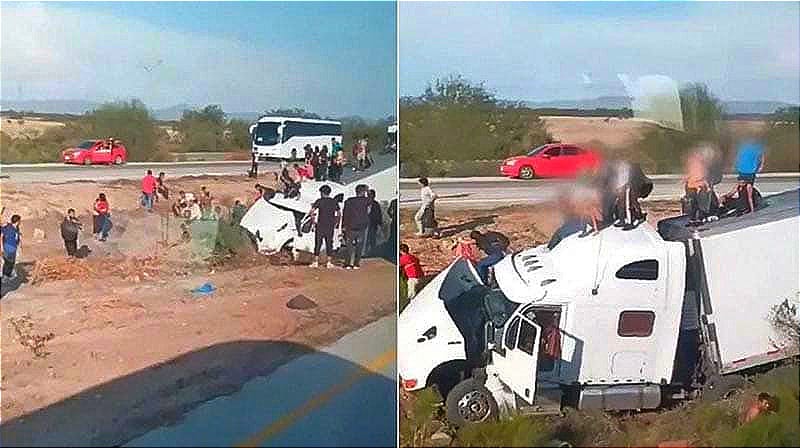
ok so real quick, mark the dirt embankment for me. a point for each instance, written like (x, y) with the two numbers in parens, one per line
(524, 225)
(102, 349)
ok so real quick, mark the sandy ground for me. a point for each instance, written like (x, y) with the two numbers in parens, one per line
(611, 132)
(616, 133)
(103, 358)
(27, 127)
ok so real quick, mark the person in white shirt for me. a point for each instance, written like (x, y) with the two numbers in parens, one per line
(428, 197)
(195, 212)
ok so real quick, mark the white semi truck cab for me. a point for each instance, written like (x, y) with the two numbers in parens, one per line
(620, 319)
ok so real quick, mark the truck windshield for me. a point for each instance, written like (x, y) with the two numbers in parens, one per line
(266, 134)
(471, 305)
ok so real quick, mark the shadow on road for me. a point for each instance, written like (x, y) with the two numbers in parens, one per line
(125, 408)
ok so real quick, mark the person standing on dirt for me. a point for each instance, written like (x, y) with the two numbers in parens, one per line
(411, 270)
(149, 184)
(70, 228)
(11, 239)
(428, 198)
(375, 222)
(102, 213)
(326, 210)
(161, 188)
(324, 162)
(205, 201)
(355, 223)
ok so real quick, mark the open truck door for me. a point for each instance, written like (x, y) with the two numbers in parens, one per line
(515, 360)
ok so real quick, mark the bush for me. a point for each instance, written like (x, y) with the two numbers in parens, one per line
(457, 120)
(128, 121)
(516, 431)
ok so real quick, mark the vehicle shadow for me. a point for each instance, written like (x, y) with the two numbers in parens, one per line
(125, 408)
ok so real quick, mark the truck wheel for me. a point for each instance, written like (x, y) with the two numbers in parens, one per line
(118, 160)
(470, 402)
(87, 161)
(721, 387)
(526, 172)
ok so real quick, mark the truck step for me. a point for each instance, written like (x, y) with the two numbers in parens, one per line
(547, 401)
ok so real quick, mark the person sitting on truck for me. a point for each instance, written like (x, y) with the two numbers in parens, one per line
(699, 201)
(629, 184)
(735, 202)
(494, 245)
(749, 161)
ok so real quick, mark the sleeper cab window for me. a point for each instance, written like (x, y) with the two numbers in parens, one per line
(639, 270)
(511, 334)
(636, 323)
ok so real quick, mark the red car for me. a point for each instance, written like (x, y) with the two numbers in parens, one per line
(91, 152)
(552, 160)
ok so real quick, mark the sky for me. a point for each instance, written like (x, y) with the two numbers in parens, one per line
(335, 59)
(568, 51)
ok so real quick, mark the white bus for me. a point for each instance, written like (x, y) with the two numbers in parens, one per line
(285, 138)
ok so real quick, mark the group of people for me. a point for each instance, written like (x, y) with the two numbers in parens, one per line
(704, 170)
(360, 219)
(494, 245)
(194, 207)
(153, 190)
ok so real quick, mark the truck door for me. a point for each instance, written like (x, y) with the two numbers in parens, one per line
(516, 360)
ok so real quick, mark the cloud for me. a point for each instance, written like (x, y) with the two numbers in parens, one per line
(538, 49)
(50, 52)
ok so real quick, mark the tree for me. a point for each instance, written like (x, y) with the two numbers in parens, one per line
(455, 89)
(455, 119)
(203, 129)
(128, 121)
(239, 134)
(701, 110)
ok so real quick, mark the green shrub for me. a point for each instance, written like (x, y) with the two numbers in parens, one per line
(516, 431)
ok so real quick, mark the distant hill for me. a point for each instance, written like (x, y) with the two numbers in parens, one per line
(622, 102)
(73, 107)
(754, 107)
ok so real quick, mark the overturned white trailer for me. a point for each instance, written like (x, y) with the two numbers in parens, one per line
(274, 222)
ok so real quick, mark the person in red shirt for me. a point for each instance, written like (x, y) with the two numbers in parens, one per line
(411, 269)
(102, 213)
(149, 184)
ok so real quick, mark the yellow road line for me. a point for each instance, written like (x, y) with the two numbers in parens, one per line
(374, 366)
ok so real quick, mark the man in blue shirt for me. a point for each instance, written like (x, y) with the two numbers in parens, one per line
(749, 161)
(10, 233)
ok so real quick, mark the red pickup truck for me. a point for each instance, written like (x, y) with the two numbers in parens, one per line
(91, 152)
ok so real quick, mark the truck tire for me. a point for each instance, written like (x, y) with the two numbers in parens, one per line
(470, 402)
(526, 172)
(721, 387)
